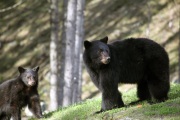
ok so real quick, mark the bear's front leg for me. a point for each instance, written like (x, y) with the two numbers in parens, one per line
(111, 100)
(111, 97)
(4, 116)
(15, 113)
(34, 106)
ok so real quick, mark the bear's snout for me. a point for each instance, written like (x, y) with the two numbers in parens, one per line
(105, 60)
(108, 59)
(31, 82)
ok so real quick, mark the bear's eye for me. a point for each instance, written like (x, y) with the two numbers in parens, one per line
(28, 77)
(100, 50)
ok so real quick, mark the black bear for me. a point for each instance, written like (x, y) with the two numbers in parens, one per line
(133, 60)
(19, 92)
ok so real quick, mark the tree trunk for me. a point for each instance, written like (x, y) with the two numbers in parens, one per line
(62, 54)
(70, 37)
(79, 37)
(71, 51)
(54, 55)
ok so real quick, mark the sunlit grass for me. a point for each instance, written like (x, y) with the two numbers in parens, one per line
(85, 110)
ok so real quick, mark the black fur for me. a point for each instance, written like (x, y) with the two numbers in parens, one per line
(19, 92)
(140, 61)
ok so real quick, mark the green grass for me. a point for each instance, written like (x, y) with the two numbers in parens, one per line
(169, 110)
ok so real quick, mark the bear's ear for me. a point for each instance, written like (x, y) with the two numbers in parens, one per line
(104, 40)
(87, 44)
(21, 69)
(36, 69)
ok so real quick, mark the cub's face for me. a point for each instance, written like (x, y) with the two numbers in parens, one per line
(29, 76)
(98, 51)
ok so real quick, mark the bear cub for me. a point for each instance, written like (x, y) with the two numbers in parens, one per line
(138, 61)
(19, 92)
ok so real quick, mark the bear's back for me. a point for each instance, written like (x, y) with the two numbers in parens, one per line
(133, 46)
(11, 88)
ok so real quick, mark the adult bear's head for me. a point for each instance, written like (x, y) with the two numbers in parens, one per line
(97, 51)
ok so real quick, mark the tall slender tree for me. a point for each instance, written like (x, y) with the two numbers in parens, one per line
(54, 54)
(62, 53)
(70, 28)
(79, 37)
(71, 58)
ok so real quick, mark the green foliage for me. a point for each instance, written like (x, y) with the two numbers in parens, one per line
(172, 106)
(77, 111)
(174, 91)
(168, 110)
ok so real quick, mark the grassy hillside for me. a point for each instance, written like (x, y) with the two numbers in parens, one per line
(25, 32)
(169, 110)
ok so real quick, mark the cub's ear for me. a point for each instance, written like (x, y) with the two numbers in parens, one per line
(87, 44)
(21, 69)
(104, 40)
(36, 69)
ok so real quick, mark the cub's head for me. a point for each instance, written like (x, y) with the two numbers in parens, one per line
(29, 76)
(97, 51)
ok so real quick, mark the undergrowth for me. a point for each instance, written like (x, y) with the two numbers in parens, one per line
(85, 111)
